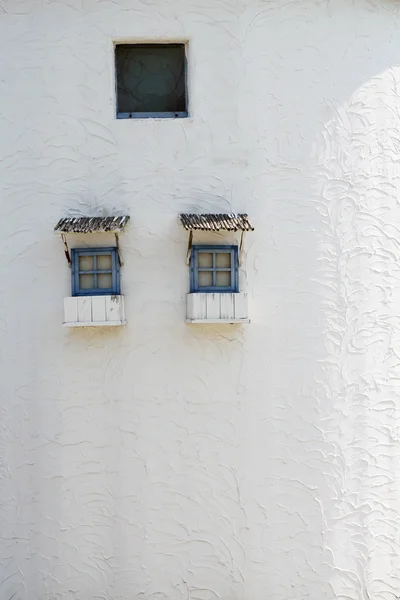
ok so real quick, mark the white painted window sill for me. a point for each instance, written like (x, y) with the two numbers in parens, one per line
(229, 308)
(95, 324)
(94, 311)
(221, 321)
(153, 115)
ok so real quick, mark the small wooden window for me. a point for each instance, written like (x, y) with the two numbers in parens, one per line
(95, 272)
(214, 269)
(151, 80)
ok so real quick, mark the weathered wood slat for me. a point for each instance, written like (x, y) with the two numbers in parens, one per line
(213, 306)
(216, 222)
(114, 307)
(98, 308)
(91, 224)
(84, 308)
(227, 306)
(70, 310)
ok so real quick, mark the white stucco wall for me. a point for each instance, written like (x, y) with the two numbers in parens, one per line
(171, 462)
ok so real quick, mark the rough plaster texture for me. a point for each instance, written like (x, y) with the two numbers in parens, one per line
(171, 462)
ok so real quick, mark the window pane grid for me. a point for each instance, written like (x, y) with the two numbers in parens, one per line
(96, 280)
(221, 278)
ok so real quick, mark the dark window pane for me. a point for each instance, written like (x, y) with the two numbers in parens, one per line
(151, 78)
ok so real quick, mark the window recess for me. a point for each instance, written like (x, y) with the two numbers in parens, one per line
(151, 81)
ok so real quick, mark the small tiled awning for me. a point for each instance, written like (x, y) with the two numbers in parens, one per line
(216, 222)
(92, 224)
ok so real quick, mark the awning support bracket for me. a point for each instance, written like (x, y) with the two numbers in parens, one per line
(68, 254)
(189, 250)
(241, 249)
(66, 249)
(190, 245)
(121, 262)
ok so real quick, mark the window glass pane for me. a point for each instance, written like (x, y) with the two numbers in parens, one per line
(223, 279)
(104, 280)
(86, 263)
(205, 279)
(104, 262)
(86, 282)
(151, 77)
(205, 259)
(223, 259)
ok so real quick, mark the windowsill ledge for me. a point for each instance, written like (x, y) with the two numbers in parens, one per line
(94, 311)
(153, 115)
(216, 321)
(223, 308)
(95, 324)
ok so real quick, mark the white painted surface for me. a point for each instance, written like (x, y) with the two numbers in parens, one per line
(166, 461)
(217, 308)
(95, 311)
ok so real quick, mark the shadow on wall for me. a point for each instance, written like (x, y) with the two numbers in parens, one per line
(356, 175)
(330, 304)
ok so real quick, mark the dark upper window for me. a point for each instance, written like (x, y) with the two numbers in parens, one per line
(214, 269)
(95, 271)
(151, 80)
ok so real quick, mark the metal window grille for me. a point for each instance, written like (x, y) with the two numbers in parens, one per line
(95, 272)
(214, 269)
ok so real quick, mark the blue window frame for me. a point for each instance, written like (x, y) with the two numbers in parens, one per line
(95, 271)
(214, 269)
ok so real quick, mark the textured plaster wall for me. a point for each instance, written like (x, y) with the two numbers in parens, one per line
(171, 462)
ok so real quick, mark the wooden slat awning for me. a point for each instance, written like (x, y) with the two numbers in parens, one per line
(216, 222)
(92, 224)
